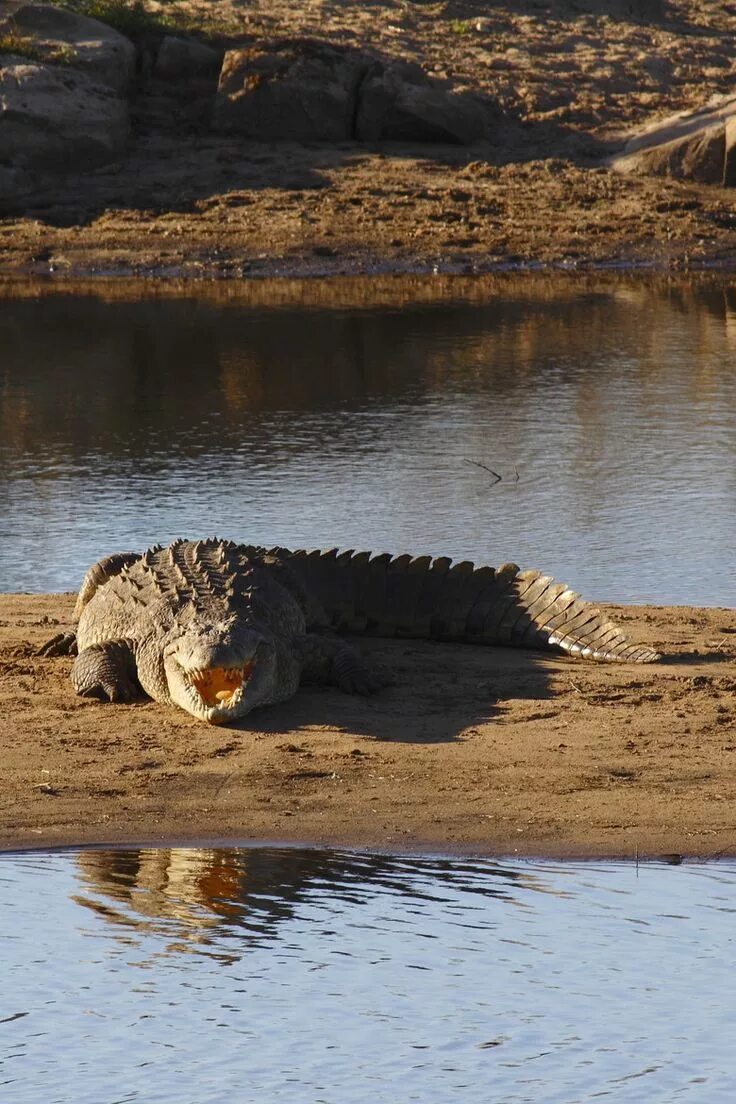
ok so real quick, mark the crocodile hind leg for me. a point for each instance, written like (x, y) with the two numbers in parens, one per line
(329, 659)
(107, 671)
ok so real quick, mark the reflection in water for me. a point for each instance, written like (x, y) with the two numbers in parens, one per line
(185, 892)
(205, 977)
(349, 424)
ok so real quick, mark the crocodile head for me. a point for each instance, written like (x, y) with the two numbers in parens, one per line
(218, 675)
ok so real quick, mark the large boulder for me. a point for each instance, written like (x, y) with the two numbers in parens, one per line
(398, 102)
(301, 91)
(52, 117)
(699, 146)
(304, 90)
(62, 36)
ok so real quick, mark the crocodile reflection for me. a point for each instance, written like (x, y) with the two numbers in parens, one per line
(184, 894)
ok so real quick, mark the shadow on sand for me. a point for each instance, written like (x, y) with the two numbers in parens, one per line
(439, 691)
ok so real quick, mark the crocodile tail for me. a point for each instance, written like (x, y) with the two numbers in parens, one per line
(542, 613)
(422, 597)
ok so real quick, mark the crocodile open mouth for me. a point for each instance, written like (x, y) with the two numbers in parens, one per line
(221, 686)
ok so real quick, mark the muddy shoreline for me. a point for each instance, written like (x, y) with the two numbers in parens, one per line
(655, 227)
(562, 86)
(474, 750)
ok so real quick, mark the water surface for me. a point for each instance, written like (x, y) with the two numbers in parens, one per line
(356, 416)
(195, 976)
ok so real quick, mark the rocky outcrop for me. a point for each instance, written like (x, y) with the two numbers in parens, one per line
(186, 59)
(698, 146)
(302, 91)
(52, 117)
(61, 36)
(62, 96)
(398, 102)
(309, 91)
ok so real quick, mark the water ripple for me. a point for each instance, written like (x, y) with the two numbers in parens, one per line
(205, 975)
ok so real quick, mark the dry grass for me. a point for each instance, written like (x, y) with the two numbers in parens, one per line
(133, 19)
(12, 42)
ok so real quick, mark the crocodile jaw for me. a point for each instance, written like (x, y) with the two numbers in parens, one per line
(219, 688)
(218, 692)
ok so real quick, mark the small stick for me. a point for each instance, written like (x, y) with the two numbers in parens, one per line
(475, 463)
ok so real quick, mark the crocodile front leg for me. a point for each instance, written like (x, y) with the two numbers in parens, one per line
(329, 659)
(64, 643)
(107, 671)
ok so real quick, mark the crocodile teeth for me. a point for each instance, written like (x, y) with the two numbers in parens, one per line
(220, 685)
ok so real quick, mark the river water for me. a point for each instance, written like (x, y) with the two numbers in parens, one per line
(356, 414)
(217, 975)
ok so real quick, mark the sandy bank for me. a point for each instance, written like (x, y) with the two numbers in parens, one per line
(496, 751)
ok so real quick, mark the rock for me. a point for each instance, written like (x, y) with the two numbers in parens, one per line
(729, 153)
(14, 184)
(695, 146)
(301, 91)
(398, 102)
(57, 118)
(62, 36)
(185, 58)
(308, 91)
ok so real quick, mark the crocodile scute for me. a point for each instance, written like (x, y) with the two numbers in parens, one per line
(220, 628)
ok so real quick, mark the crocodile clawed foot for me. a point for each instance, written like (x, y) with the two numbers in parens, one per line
(64, 643)
(106, 671)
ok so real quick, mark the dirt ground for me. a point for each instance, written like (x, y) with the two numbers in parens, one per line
(486, 750)
(565, 81)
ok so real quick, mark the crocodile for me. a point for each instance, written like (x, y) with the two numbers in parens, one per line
(219, 628)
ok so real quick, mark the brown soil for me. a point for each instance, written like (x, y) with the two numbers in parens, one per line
(566, 81)
(474, 749)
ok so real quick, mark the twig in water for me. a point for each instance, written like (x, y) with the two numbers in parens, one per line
(477, 464)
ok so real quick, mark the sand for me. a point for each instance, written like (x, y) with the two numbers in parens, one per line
(491, 751)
